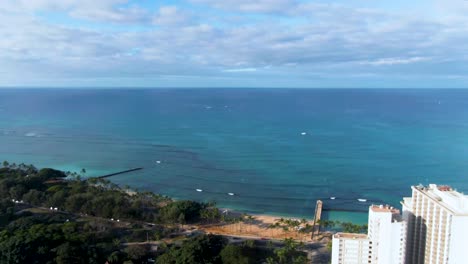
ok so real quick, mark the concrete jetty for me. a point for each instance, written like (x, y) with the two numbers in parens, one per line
(118, 173)
(317, 217)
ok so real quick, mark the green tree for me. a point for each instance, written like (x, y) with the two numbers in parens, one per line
(181, 218)
(6, 211)
(232, 254)
(114, 257)
(17, 192)
(68, 253)
(249, 243)
(190, 209)
(34, 197)
(202, 249)
(136, 252)
(289, 253)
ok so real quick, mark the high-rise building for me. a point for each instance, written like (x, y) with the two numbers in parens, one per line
(387, 232)
(437, 219)
(384, 244)
(351, 249)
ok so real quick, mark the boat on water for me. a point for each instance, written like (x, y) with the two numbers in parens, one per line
(199, 190)
(158, 161)
(232, 194)
(332, 198)
(362, 200)
(303, 133)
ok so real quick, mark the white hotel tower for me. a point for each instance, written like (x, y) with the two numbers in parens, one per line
(437, 219)
(384, 244)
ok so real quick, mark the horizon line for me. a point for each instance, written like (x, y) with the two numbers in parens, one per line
(226, 87)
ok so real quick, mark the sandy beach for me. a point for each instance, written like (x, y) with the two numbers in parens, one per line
(263, 227)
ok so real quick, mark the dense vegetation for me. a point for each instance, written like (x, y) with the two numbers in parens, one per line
(94, 197)
(215, 249)
(51, 239)
(346, 227)
(48, 216)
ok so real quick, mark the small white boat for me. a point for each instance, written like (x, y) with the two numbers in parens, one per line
(232, 194)
(158, 161)
(332, 198)
(303, 133)
(199, 190)
(362, 200)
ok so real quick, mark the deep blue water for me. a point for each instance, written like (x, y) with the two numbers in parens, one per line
(372, 144)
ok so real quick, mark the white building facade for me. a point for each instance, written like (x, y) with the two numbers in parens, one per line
(384, 244)
(350, 249)
(387, 232)
(437, 219)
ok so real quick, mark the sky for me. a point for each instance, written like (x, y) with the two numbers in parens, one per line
(234, 43)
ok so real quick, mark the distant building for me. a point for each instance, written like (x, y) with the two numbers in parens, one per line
(437, 219)
(384, 244)
(351, 249)
(387, 232)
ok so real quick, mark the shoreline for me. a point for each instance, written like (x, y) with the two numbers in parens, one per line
(260, 226)
(340, 215)
(354, 217)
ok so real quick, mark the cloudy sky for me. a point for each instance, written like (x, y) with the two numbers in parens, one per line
(234, 43)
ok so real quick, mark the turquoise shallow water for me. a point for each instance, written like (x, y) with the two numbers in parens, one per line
(370, 144)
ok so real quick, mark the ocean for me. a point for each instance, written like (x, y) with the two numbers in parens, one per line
(276, 150)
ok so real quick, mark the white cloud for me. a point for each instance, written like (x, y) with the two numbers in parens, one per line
(324, 40)
(171, 16)
(112, 14)
(241, 70)
(452, 6)
(101, 10)
(251, 6)
(394, 61)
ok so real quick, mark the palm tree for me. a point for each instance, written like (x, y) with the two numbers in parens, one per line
(116, 243)
(250, 220)
(114, 257)
(274, 226)
(31, 168)
(294, 225)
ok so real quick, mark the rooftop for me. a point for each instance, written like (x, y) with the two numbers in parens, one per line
(447, 197)
(384, 209)
(350, 236)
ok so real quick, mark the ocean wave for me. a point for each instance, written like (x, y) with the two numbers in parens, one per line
(259, 183)
(339, 204)
(31, 134)
(7, 132)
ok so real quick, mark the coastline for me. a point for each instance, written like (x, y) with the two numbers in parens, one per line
(350, 215)
(260, 226)
(335, 215)
(338, 215)
(348, 141)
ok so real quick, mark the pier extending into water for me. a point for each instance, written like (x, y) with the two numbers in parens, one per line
(118, 173)
(317, 217)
